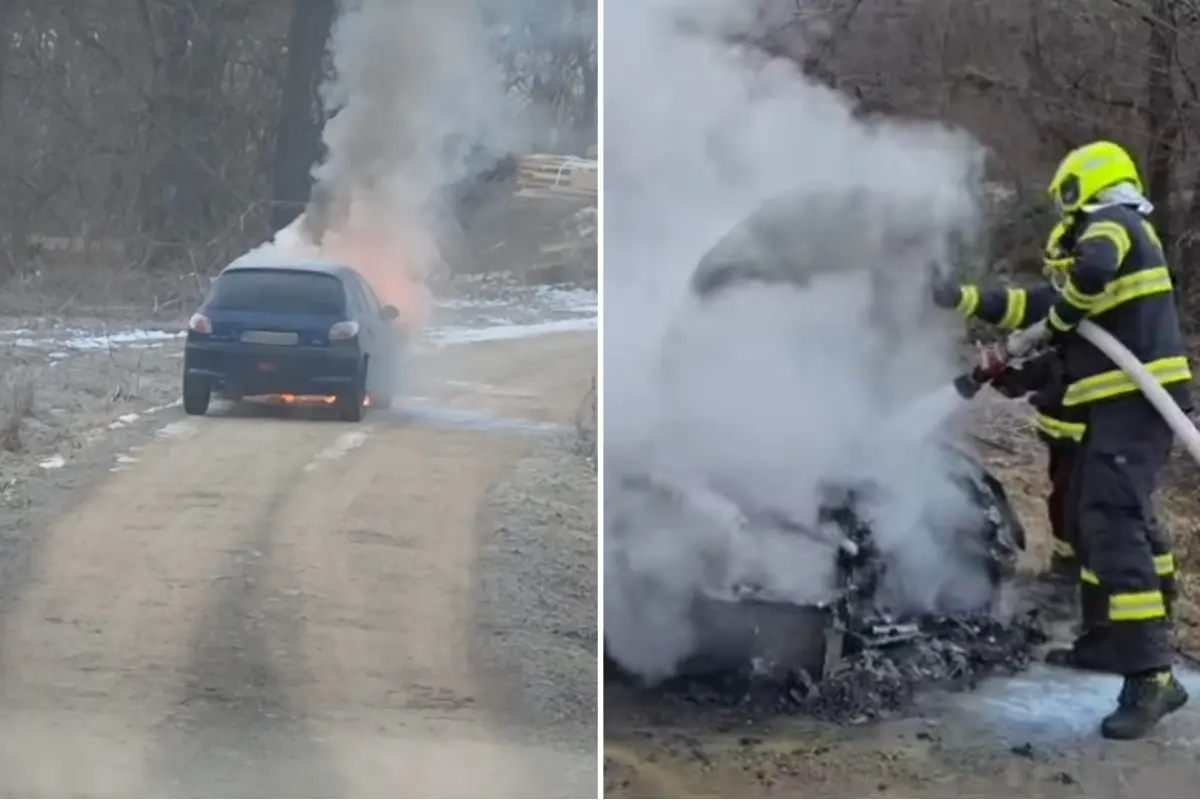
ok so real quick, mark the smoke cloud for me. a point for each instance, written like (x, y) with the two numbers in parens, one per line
(416, 104)
(762, 395)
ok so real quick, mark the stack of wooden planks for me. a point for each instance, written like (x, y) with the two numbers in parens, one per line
(574, 255)
(557, 176)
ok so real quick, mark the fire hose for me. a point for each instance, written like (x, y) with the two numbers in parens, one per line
(1120, 355)
(1171, 413)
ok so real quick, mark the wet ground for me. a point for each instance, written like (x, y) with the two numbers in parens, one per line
(1050, 707)
(1027, 735)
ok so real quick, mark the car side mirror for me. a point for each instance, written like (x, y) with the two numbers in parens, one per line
(389, 313)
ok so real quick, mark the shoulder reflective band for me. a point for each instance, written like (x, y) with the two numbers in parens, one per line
(1114, 232)
(1136, 606)
(1059, 429)
(1143, 283)
(1115, 382)
(1014, 311)
(968, 300)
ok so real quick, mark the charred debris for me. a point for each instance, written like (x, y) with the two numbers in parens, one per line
(851, 659)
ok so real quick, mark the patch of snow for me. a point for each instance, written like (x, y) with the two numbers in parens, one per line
(441, 337)
(180, 430)
(341, 446)
(75, 339)
(55, 461)
(569, 299)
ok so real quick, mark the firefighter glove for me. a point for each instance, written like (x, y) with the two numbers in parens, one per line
(946, 293)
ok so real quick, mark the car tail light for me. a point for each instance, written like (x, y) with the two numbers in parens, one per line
(341, 331)
(200, 324)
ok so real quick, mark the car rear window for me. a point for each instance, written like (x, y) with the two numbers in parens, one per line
(279, 291)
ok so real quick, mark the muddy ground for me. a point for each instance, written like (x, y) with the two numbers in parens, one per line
(1028, 735)
(266, 602)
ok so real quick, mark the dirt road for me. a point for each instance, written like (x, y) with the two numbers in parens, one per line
(257, 604)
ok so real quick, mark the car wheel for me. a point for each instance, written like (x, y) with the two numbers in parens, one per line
(196, 395)
(352, 405)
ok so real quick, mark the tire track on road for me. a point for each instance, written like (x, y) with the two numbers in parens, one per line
(100, 641)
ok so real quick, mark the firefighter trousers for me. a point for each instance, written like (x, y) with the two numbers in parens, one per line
(1126, 586)
(1065, 556)
(1064, 559)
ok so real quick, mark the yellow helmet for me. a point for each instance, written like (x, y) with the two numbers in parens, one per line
(1057, 258)
(1086, 171)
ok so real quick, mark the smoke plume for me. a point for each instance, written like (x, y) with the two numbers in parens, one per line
(762, 395)
(416, 103)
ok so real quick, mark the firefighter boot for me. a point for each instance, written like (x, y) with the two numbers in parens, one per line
(1145, 699)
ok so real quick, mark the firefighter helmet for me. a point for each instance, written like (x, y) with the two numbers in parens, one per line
(1086, 171)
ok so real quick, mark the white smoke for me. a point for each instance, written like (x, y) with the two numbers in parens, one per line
(761, 394)
(416, 103)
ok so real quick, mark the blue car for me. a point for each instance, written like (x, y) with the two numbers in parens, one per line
(294, 329)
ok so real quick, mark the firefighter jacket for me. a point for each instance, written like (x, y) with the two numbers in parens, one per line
(1120, 282)
(1009, 309)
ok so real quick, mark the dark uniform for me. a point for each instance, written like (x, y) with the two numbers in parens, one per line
(1119, 280)
(1062, 428)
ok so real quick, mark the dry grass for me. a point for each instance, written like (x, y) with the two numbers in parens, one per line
(1180, 509)
(18, 403)
(587, 424)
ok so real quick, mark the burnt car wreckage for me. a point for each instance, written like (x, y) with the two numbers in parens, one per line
(849, 657)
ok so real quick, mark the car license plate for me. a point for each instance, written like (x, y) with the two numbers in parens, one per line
(271, 337)
(266, 366)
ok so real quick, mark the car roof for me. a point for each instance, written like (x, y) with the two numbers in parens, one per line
(247, 262)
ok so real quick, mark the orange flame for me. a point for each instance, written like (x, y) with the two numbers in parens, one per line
(394, 261)
(387, 262)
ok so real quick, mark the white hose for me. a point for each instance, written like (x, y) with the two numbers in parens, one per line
(1151, 388)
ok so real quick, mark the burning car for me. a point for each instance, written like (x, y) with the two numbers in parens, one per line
(741, 627)
(294, 328)
(887, 599)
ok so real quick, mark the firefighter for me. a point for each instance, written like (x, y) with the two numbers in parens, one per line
(1061, 428)
(1118, 280)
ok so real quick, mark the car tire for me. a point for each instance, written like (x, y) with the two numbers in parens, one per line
(196, 396)
(352, 405)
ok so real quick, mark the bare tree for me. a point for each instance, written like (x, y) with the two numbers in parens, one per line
(298, 141)
(171, 135)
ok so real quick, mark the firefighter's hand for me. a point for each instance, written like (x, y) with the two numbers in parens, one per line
(946, 293)
(991, 362)
(1013, 382)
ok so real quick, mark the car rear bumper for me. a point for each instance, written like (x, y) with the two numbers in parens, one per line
(257, 369)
